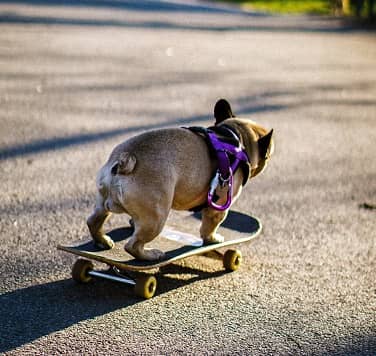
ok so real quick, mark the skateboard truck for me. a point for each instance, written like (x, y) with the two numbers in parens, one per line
(83, 272)
(117, 276)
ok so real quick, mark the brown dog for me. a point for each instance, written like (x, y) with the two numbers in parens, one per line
(152, 173)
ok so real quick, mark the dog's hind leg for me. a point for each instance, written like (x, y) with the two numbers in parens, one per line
(211, 219)
(95, 224)
(146, 228)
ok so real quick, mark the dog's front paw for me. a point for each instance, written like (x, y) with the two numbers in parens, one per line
(213, 239)
(104, 242)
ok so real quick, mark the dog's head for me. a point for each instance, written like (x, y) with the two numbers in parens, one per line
(257, 141)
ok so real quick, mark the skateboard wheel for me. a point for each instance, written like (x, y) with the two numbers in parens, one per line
(232, 260)
(146, 286)
(81, 269)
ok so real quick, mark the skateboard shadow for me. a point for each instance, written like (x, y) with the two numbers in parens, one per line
(33, 312)
(237, 221)
(30, 313)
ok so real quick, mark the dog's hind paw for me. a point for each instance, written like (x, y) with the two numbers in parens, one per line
(146, 254)
(105, 242)
(213, 239)
(153, 254)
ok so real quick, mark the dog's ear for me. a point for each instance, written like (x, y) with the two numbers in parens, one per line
(125, 164)
(222, 111)
(265, 150)
(264, 143)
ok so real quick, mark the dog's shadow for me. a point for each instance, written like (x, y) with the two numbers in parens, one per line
(33, 312)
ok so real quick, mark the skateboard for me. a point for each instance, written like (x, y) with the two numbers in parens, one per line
(236, 229)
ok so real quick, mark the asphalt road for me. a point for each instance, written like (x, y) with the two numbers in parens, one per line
(78, 77)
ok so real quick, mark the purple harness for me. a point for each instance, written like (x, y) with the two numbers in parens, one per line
(226, 169)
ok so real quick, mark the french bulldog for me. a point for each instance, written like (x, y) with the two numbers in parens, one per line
(149, 174)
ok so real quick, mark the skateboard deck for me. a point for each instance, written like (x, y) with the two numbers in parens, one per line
(176, 244)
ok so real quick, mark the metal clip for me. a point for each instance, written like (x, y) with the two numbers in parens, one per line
(213, 185)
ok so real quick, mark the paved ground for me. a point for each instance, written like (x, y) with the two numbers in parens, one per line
(77, 77)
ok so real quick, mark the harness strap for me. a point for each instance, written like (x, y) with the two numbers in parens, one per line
(225, 170)
(230, 154)
(223, 150)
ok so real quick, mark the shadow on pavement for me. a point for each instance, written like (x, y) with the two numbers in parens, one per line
(40, 20)
(246, 105)
(359, 345)
(237, 222)
(79, 139)
(33, 312)
(58, 143)
(310, 23)
(131, 5)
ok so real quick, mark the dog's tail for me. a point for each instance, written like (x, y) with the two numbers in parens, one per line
(125, 164)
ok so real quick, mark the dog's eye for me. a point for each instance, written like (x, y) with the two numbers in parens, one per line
(114, 169)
